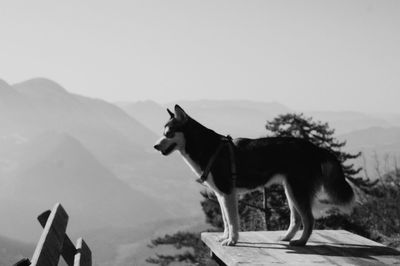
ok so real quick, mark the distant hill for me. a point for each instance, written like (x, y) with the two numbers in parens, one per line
(345, 122)
(380, 147)
(248, 118)
(149, 113)
(103, 128)
(57, 168)
(392, 118)
(15, 110)
(239, 118)
(373, 138)
(51, 139)
(236, 117)
(133, 242)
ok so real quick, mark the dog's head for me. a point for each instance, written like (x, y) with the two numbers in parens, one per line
(173, 138)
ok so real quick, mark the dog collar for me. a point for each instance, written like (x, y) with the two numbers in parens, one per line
(224, 141)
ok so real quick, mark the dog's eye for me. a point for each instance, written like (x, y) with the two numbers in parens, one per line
(169, 134)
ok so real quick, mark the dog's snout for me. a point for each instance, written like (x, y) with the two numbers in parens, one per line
(157, 146)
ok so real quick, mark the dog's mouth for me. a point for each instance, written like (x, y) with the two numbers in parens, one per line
(169, 149)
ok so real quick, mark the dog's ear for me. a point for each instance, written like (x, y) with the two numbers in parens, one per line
(180, 114)
(170, 113)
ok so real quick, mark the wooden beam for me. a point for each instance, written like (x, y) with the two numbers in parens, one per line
(217, 260)
(68, 250)
(23, 262)
(49, 247)
(83, 256)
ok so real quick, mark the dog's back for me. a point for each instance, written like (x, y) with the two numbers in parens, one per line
(305, 167)
(313, 177)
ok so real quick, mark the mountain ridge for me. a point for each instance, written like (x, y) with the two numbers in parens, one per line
(68, 173)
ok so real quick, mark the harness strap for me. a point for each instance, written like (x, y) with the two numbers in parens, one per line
(224, 141)
(233, 162)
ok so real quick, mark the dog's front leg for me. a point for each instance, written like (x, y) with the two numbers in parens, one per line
(229, 203)
(225, 235)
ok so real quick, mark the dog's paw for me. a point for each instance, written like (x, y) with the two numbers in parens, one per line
(284, 238)
(223, 237)
(297, 243)
(229, 242)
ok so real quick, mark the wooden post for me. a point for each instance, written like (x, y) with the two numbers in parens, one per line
(266, 210)
(54, 242)
(83, 256)
(50, 245)
(68, 250)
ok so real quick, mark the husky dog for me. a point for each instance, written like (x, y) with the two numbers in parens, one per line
(228, 166)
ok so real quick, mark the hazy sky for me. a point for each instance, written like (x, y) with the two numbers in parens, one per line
(330, 55)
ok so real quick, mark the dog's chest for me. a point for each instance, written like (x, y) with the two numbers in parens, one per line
(197, 170)
(192, 164)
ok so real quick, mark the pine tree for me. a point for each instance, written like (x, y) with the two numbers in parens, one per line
(299, 126)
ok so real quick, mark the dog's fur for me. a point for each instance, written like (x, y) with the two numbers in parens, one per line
(303, 168)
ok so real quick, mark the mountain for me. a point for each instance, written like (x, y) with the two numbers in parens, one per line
(380, 147)
(7, 93)
(57, 168)
(12, 251)
(133, 243)
(54, 143)
(346, 121)
(392, 118)
(239, 118)
(247, 118)
(120, 142)
(15, 110)
(149, 113)
(373, 138)
(103, 128)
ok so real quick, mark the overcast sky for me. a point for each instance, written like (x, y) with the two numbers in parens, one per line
(327, 55)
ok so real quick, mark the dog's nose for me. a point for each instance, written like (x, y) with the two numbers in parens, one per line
(157, 146)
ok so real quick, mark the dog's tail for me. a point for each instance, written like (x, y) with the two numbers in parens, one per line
(335, 192)
(334, 181)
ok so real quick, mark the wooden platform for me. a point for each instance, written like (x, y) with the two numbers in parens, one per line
(325, 247)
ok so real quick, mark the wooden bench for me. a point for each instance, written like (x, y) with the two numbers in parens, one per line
(325, 247)
(54, 242)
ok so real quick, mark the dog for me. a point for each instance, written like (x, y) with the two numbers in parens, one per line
(229, 166)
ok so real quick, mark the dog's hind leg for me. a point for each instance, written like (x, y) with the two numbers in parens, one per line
(295, 220)
(307, 218)
(225, 235)
(229, 202)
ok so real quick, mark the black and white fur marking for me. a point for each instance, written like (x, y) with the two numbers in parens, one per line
(303, 168)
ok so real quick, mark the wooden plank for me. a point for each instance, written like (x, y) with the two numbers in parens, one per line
(329, 244)
(279, 249)
(83, 256)
(364, 250)
(255, 248)
(325, 247)
(49, 247)
(68, 250)
(23, 262)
